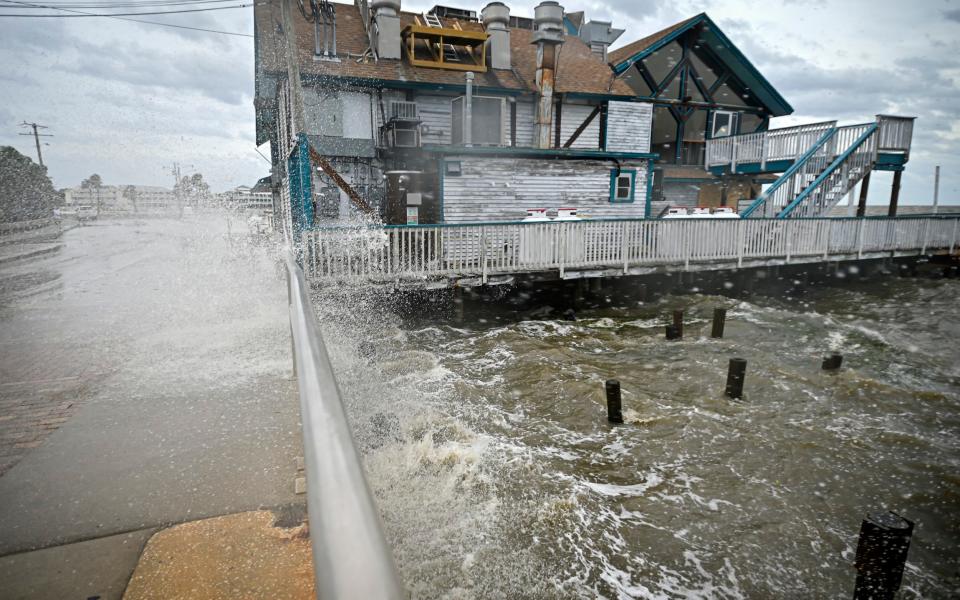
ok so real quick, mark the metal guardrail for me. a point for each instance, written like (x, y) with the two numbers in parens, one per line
(351, 558)
(18, 226)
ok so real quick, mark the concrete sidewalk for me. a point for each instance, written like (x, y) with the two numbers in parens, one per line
(171, 346)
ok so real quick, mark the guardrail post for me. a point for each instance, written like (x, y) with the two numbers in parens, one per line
(561, 246)
(483, 255)
(860, 238)
(953, 236)
(624, 247)
(733, 156)
(763, 152)
(923, 237)
(740, 243)
(826, 244)
(788, 234)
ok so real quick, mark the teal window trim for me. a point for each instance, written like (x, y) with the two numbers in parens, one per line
(648, 204)
(614, 175)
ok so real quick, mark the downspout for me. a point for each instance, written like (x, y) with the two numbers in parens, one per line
(468, 112)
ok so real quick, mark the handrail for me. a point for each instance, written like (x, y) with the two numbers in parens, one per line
(351, 558)
(438, 256)
(788, 174)
(828, 171)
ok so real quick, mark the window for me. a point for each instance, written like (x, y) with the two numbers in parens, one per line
(622, 184)
(724, 123)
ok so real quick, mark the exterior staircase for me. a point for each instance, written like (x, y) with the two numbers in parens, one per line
(820, 163)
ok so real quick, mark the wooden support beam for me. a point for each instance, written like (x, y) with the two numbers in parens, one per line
(864, 186)
(583, 126)
(895, 193)
(603, 126)
(327, 168)
(557, 116)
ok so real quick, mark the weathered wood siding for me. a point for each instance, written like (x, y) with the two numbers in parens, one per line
(501, 189)
(628, 126)
(435, 115)
(526, 114)
(571, 117)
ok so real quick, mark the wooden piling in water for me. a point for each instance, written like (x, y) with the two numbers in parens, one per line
(736, 373)
(678, 322)
(832, 362)
(614, 408)
(881, 555)
(719, 321)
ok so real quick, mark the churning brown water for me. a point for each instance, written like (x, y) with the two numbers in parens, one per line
(498, 476)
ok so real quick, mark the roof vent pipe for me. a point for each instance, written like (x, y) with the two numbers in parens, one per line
(548, 35)
(386, 22)
(496, 20)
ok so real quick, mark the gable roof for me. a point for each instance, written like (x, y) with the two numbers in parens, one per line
(623, 58)
(625, 53)
(579, 70)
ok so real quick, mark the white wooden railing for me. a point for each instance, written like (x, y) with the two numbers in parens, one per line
(786, 143)
(896, 133)
(789, 143)
(443, 253)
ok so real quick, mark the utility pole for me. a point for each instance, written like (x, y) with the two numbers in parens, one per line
(36, 137)
(936, 189)
(175, 171)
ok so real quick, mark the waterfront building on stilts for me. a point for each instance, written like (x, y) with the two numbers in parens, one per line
(451, 148)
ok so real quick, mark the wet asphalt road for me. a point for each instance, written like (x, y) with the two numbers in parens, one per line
(162, 347)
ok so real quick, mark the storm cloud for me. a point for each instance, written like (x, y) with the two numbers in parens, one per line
(126, 99)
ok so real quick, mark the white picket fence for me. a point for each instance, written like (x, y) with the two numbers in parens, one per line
(447, 252)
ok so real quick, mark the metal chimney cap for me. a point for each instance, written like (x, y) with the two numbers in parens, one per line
(548, 15)
(495, 15)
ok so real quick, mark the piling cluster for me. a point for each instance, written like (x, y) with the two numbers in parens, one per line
(884, 537)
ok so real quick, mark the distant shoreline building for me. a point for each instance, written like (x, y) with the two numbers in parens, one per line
(147, 198)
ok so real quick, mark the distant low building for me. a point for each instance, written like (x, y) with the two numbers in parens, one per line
(245, 197)
(139, 198)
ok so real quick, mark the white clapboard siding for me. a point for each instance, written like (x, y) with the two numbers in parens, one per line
(435, 114)
(571, 117)
(501, 189)
(628, 126)
(526, 116)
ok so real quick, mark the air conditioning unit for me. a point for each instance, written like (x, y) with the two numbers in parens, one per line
(402, 134)
(402, 110)
(487, 120)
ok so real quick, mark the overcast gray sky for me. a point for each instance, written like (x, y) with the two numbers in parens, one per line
(126, 100)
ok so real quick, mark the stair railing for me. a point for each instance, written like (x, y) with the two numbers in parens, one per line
(785, 187)
(858, 153)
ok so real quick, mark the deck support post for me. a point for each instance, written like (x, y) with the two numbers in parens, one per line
(895, 193)
(864, 186)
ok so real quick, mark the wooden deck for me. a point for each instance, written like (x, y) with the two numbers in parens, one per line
(433, 256)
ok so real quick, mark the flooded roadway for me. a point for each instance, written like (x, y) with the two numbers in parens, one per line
(498, 476)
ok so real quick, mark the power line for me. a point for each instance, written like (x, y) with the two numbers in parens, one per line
(133, 14)
(113, 4)
(138, 20)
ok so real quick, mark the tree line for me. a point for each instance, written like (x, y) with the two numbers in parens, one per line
(26, 192)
